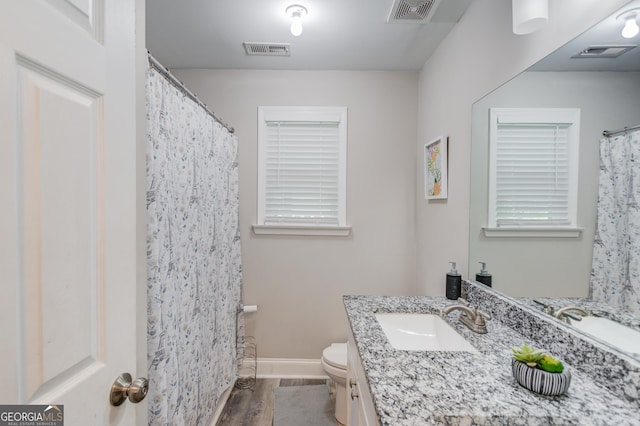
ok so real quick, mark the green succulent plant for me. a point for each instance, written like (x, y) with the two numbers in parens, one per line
(529, 355)
(534, 357)
(551, 364)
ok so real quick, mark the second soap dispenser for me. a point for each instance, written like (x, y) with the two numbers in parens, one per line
(454, 283)
(484, 276)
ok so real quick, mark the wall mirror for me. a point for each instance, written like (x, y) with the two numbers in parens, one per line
(606, 90)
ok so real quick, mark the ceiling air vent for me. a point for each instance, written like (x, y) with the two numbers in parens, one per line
(604, 51)
(413, 11)
(267, 49)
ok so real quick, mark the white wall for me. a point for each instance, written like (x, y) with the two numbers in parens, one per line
(478, 55)
(553, 267)
(298, 282)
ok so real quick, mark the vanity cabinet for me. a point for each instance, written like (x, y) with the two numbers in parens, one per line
(360, 409)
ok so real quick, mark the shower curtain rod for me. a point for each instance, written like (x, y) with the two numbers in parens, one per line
(623, 130)
(180, 86)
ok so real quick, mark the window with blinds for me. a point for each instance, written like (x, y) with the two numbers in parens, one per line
(302, 166)
(533, 167)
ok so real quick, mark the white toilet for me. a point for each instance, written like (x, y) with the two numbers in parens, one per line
(334, 363)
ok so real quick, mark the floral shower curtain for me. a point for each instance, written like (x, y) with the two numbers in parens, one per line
(193, 257)
(615, 275)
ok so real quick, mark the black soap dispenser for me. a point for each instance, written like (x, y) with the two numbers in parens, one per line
(454, 283)
(484, 276)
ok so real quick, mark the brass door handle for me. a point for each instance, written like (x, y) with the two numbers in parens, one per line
(124, 388)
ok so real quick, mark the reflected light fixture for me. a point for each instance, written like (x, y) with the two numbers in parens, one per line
(529, 15)
(296, 12)
(630, 28)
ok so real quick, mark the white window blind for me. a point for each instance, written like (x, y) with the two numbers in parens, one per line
(302, 172)
(302, 166)
(533, 170)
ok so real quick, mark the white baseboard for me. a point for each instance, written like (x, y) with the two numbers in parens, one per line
(270, 368)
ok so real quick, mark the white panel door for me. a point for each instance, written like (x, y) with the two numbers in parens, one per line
(67, 191)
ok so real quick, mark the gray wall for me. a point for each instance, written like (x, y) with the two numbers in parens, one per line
(298, 282)
(479, 54)
(554, 267)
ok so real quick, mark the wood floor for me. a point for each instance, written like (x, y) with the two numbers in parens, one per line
(254, 406)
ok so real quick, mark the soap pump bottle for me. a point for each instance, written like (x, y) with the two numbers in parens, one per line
(484, 276)
(454, 283)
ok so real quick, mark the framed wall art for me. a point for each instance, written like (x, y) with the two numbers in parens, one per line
(435, 169)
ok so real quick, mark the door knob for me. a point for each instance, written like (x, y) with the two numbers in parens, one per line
(124, 388)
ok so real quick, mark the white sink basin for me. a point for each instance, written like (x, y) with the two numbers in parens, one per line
(618, 335)
(421, 332)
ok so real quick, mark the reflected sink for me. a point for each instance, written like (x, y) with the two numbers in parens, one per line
(421, 332)
(616, 334)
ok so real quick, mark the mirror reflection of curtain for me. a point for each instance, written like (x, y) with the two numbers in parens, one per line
(615, 273)
(193, 257)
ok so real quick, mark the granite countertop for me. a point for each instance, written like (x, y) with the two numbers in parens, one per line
(424, 388)
(598, 308)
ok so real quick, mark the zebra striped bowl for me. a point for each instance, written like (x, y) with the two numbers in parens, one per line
(540, 381)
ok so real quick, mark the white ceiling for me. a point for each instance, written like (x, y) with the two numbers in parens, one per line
(606, 33)
(338, 34)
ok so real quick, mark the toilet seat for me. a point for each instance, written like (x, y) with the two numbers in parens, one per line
(336, 355)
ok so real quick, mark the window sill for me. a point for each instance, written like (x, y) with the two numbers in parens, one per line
(569, 232)
(319, 230)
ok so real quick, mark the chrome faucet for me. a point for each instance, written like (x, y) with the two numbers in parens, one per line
(563, 313)
(473, 318)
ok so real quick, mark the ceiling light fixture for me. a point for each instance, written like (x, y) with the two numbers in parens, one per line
(630, 29)
(296, 12)
(529, 15)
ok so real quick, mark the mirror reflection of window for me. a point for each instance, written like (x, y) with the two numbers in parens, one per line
(533, 169)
